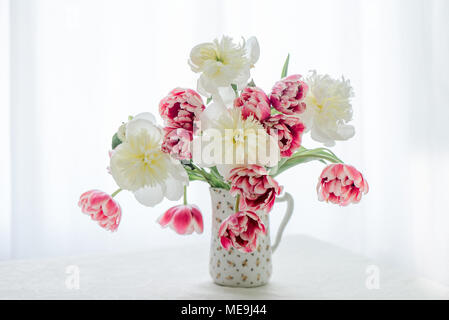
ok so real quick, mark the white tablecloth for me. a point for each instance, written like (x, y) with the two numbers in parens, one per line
(303, 268)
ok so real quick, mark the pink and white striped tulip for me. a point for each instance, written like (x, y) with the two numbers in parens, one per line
(184, 219)
(288, 94)
(341, 184)
(256, 188)
(241, 230)
(181, 107)
(288, 130)
(102, 208)
(255, 102)
(177, 143)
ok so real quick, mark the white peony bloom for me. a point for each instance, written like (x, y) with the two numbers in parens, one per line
(227, 140)
(328, 109)
(222, 63)
(139, 165)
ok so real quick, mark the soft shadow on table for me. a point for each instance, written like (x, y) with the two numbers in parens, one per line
(303, 268)
(306, 268)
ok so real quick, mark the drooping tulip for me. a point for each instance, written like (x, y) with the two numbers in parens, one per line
(341, 184)
(102, 208)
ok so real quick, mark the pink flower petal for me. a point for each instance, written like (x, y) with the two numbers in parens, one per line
(183, 219)
(102, 208)
(241, 231)
(341, 184)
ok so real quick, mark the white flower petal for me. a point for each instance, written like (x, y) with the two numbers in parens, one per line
(346, 132)
(146, 116)
(139, 165)
(253, 49)
(177, 172)
(317, 135)
(135, 126)
(229, 139)
(174, 189)
(242, 80)
(212, 113)
(222, 63)
(205, 86)
(150, 196)
(328, 109)
(227, 95)
(201, 53)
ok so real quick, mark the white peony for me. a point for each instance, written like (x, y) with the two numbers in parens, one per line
(139, 165)
(328, 109)
(227, 140)
(222, 63)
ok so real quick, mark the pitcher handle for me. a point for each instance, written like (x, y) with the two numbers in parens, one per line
(288, 213)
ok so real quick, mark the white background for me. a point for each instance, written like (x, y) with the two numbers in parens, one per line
(72, 70)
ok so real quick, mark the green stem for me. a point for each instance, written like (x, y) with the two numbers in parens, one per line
(185, 195)
(321, 156)
(214, 179)
(116, 192)
(322, 152)
(303, 156)
(237, 203)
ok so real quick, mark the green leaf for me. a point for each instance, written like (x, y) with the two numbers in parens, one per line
(285, 68)
(215, 172)
(193, 177)
(303, 155)
(115, 141)
(208, 100)
(295, 161)
(324, 153)
(234, 87)
(275, 169)
(251, 83)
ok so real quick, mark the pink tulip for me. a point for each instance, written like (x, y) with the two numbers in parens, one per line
(255, 102)
(102, 208)
(256, 188)
(288, 94)
(241, 230)
(181, 107)
(184, 219)
(177, 143)
(288, 131)
(341, 184)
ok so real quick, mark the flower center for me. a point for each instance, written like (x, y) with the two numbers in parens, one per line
(217, 58)
(150, 157)
(239, 136)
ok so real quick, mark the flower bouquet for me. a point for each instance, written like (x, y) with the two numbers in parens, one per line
(237, 138)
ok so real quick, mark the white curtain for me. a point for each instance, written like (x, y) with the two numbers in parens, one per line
(72, 70)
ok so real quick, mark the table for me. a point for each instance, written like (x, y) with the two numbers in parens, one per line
(303, 268)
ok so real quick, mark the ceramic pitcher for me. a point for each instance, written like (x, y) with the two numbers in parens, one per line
(238, 269)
